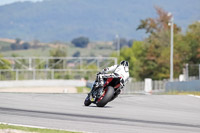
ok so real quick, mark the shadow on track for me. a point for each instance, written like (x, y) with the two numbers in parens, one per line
(93, 106)
(85, 118)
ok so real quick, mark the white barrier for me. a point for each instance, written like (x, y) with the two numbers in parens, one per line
(42, 83)
(148, 85)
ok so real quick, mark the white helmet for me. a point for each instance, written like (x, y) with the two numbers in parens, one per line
(125, 64)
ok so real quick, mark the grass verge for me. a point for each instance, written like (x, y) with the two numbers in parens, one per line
(182, 93)
(29, 129)
(83, 89)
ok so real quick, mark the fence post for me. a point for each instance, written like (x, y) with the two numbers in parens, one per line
(199, 71)
(52, 74)
(186, 72)
(30, 63)
(81, 63)
(63, 63)
(17, 75)
(47, 64)
(33, 74)
(155, 85)
(46, 74)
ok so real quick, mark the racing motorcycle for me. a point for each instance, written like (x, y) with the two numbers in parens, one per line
(101, 96)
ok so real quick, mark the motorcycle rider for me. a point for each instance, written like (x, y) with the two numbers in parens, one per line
(116, 71)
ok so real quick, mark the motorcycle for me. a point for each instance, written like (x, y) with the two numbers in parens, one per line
(101, 96)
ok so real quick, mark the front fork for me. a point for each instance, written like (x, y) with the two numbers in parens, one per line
(96, 93)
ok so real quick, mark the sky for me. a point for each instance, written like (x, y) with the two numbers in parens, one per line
(4, 2)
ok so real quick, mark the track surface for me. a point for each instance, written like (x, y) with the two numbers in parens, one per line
(128, 113)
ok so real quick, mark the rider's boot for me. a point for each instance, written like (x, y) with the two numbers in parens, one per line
(94, 87)
(100, 89)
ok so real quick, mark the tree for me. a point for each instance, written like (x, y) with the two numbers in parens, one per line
(13, 46)
(135, 55)
(80, 42)
(26, 45)
(192, 39)
(156, 25)
(58, 52)
(77, 54)
(150, 57)
(123, 42)
(156, 64)
(17, 40)
(130, 43)
(16, 45)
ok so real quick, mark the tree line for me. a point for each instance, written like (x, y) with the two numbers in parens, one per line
(150, 58)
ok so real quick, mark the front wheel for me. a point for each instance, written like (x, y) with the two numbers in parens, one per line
(106, 97)
(87, 101)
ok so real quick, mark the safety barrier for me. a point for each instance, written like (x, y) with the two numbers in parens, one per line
(42, 83)
(193, 85)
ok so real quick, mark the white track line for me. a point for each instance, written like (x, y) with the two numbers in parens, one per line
(194, 96)
(21, 125)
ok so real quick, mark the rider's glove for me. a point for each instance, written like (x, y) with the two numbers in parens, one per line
(99, 73)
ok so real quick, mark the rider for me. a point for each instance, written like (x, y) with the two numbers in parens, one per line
(116, 71)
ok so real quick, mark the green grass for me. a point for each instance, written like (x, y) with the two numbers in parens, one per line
(182, 93)
(94, 49)
(83, 89)
(28, 129)
(28, 53)
(85, 52)
(4, 43)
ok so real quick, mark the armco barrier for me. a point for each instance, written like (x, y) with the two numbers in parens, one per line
(193, 85)
(138, 87)
(42, 83)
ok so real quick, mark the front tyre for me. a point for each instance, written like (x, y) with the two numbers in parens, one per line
(106, 97)
(87, 101)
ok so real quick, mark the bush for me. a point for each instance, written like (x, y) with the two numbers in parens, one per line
(80, 42)
(26, 45)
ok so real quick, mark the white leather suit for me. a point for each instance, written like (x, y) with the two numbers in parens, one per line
(120, 70)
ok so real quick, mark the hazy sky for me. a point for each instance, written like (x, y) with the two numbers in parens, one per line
(3, 2)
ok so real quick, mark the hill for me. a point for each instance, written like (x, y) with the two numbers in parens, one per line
(39, 49)
(63, 20)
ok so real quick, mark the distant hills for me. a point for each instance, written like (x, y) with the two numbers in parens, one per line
(63, 20)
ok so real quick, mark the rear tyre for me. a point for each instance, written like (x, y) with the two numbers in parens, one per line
(106, 97)
(115, 95)
(87, 101)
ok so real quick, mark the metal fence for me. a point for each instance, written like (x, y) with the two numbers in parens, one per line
(45, 74)
(188, 86)
(138, 87)
(191, 72)
(31, 63)
(37, 68)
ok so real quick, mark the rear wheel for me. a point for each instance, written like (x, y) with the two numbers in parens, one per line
(87, 101)
(106, 97)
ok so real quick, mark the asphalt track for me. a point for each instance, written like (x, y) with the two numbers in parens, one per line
(128, 113)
